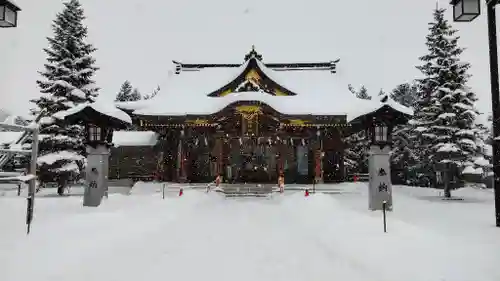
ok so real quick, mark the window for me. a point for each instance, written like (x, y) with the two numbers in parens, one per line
(380, 133)
(94, 133)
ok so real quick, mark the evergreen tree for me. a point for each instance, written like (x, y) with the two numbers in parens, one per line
(351, 89)
(135, 95)
(153, 94)
(405, 94)
(66, 82)
(357, 144)
(363, 94)
(403, 158)
(125, 93)
(444, 127)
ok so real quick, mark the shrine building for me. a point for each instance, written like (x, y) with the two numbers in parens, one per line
(247, 121)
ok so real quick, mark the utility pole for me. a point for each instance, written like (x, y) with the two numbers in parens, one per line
(495, 103)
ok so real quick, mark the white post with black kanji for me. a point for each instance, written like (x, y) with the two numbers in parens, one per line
(380, 188)
(96, 175)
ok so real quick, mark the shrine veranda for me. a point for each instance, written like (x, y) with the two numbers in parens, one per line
(247, 122)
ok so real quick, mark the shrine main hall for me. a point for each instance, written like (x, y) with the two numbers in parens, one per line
(248, 122)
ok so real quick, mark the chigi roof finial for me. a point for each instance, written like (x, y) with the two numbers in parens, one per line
(254, 54)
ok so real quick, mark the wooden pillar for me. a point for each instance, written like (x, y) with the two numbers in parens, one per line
(318, 167)
(319, 156)
(342, 147)
(281, 158)
(181, 173)
(186, 149)
(280, 161)
(219, 144)
(178, 151)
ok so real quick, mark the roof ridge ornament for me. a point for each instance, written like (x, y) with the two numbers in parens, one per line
(253, 54)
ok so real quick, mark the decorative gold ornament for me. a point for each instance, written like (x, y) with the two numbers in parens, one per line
(298, 122)
(277, 92)
(249, 112)
(197, 121)
(253, 76)
(226, 92)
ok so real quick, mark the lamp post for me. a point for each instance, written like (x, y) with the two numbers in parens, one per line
(380, 187)
(8, 13)
(466, 11)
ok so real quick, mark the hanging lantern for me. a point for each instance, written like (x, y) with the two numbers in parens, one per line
(206, 141)
(8, 13)
(465, 10)
(241, 141)
(303, 142)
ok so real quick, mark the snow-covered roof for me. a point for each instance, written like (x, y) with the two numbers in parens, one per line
(318, 93)
(134, 138)
(104, 108)
(9, 137)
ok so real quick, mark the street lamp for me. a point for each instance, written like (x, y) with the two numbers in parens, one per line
(8, 13)
(465, 10)
(470, 7)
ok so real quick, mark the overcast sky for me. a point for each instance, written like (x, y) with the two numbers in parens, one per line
(378, 42)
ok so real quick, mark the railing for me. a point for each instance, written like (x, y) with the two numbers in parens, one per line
(247, 191)
(5, 157)
(31, 177)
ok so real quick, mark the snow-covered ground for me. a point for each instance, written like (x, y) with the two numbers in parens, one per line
(202, 236)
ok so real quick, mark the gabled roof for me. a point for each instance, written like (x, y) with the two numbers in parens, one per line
(91, 112)
(315, 92)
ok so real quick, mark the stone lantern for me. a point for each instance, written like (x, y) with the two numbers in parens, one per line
(380, 186)
(379, 122)
(99, 120)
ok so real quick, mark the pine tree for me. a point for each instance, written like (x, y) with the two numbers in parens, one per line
(153, 94)
(356, 153)
(135, 95)
(403, 158)
(125, 93)
(405, 94)
(66, 82)
(363, 94)
(444, 129)
(351, 89)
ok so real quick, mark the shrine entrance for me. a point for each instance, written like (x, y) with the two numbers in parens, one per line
(252, 160)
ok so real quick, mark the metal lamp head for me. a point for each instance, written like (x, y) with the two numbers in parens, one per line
(466, 10)
(8, 14)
